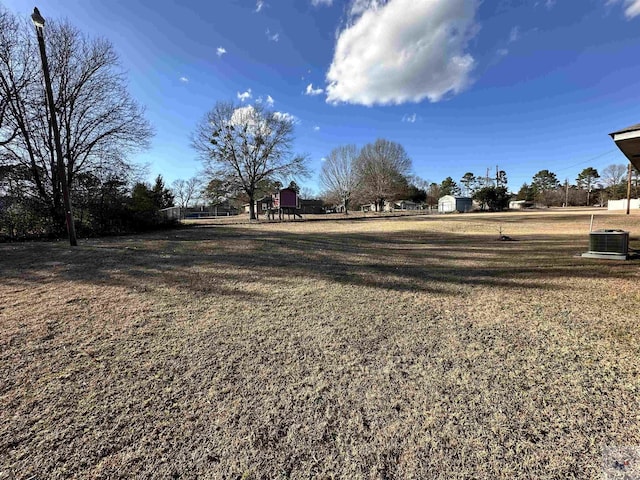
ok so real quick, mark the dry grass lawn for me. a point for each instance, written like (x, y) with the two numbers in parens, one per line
(396, 348)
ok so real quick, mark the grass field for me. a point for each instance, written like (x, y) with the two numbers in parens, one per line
(396, 348)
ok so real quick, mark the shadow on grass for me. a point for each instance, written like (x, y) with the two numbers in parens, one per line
(219, 260)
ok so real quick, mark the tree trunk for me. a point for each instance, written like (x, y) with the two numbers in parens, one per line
(346, 206)
(252, 208)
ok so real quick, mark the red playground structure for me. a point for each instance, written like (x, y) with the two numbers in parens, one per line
(284, 201)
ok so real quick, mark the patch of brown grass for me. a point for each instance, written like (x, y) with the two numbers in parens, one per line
(416, 347)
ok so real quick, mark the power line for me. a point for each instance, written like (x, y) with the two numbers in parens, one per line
(586, 161)
(596, 157)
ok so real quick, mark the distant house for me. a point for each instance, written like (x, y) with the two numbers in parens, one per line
(400, 205)
(311, 206)
(262, 205)
(389, 206)
(520, 204)
(340, 208)
(450, 203)
(369, 207)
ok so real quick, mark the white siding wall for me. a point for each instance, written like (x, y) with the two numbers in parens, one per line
(622, 204)
(447, 204)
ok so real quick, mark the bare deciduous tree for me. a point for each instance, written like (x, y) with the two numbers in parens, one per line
(100, 124)
(338, 174)
(185, 190)
(613, 175)
(8, 40)
(307, 193)
(243, 146)
(382, 167)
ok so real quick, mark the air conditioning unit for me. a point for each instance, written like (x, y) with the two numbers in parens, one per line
(611, 244)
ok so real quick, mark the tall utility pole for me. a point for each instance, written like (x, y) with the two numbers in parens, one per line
(38, 21)
(566, 194)
(629, 189)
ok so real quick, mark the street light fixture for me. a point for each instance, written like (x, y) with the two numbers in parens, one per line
(37, 19)
(38, 22)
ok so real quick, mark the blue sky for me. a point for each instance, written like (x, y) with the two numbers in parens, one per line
(463, 85)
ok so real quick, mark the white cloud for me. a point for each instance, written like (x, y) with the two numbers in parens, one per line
(272, 37)
(514, 36)
(286, 116)
(313, 91)
(221, 51)
(316, 128)
(317, 3)
(547, 3)
(244, 115)
(244, 96)
(184, 79)
(269, 101)
(397, 51)
(259, 5)
(360, 6)
(251, 118)
(410, 118)
(502, 52)
(632, 7)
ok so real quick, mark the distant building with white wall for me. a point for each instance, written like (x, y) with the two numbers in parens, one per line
(449, 204)
(622, 204)
(520, 204)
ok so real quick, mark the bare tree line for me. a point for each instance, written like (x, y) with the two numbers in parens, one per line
(378, 172)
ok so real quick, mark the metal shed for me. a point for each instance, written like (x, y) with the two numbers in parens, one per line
(450, 203)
